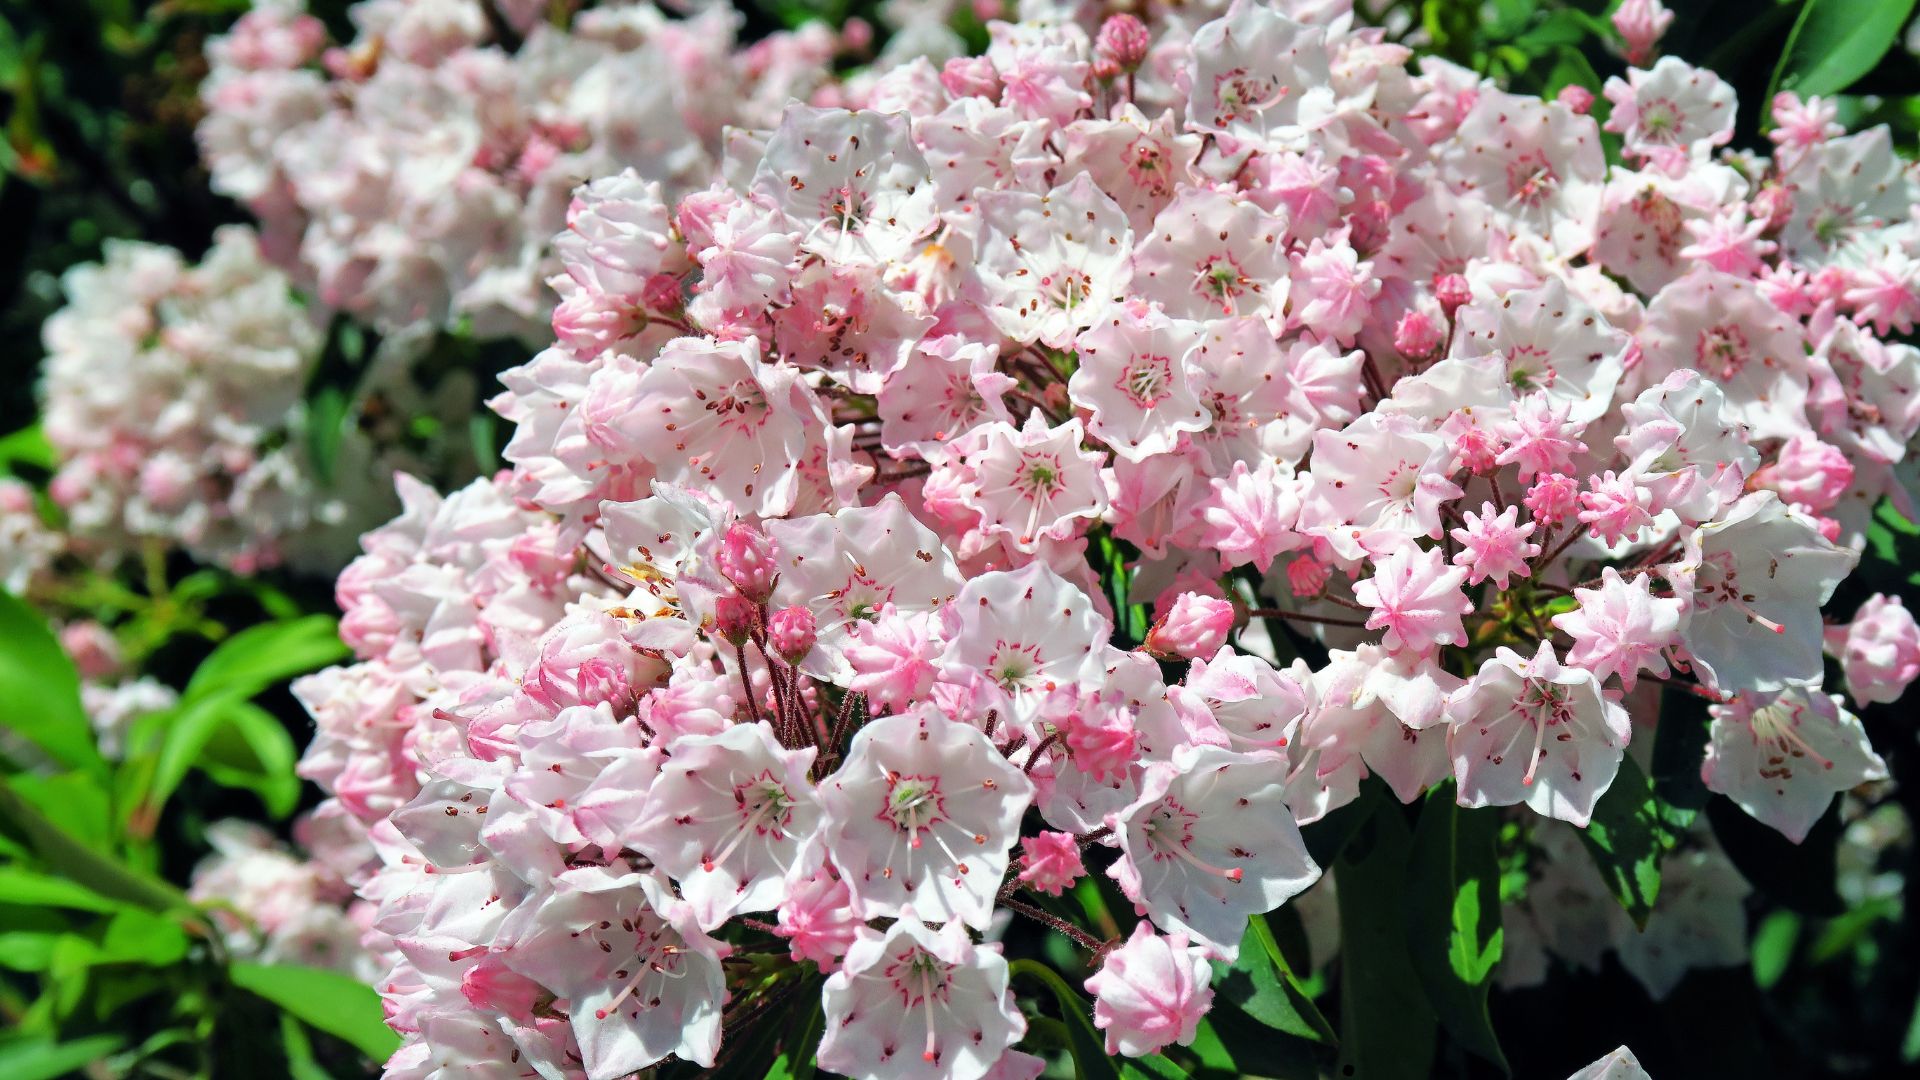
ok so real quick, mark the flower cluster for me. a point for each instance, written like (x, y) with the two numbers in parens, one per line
(172, 399)
(414, 175)
(276, 907)
(1096, 458)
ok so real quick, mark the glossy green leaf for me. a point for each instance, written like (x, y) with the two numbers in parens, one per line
(27, 446)
(40, 691)
(1453, 916)
(62, 854)
(1835, 42)
(1773, 947)
(30, 889)
(1261, 984)
(40, 1058)
(1631, 831)
(1388, 1031)
(328, 1001)
(260, 656)
(137, 937)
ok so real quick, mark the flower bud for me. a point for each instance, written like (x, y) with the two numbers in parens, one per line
(733, 618)
(971, 76)
(1416, 336)
(1307, 576)
(1641, 23)
(1193, 626)
(746, 559)
(1122, 43)
(1452, 291)
(1552, 498)
(662, 293)
(790, 633)
(1576, 97)
(1151, 992)
(1050, 862)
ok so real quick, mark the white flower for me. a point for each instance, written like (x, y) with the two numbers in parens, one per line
(726, 818)
(1209, 842)
(920, 818)
(915, 1002)
(1756, 579)
(1783, 756)
(1534, 731)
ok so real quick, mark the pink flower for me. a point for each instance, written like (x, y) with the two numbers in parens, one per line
(1494, 545)
(1050, 862)
(1809, 473)
(817, 919)
(1416, 599)
(1621, 628)
(1151, 992)
(1194, 626)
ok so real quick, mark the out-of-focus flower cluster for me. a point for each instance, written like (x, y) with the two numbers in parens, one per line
(276, 907)
(172, 398)
(414, 175)
(812, 618)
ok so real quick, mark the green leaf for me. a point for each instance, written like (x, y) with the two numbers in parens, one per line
(40, 691)
(68, 857)
(1835, 42)
(28, 446)
(260, 656)
(329, 1001)
(1631, 831)
(1388, 1030)
(1261, 985)
(136, 937)
(41, 1058)
(29, 889)
(1453, 917)
(326, 426)
(1773, 946)
(253, 751)
(798, 1048)
(301, 1064)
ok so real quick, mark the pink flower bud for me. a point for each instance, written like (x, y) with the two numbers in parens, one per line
(1576, 97)
(1307, 576)
(733, 618)
(857, 35)
(1772, 204)
(1552, 498)
(971, 76)
(790, 633)
(1879, 651)
(93, 648)
(1123, 42)
(1050, 862)
(1809, 472)
(1452, 291)
(662, 293)
(1101, 741)
(746, 559)
(1416, 336)
(1194, 626)
(1641, 24)
(1151, 992)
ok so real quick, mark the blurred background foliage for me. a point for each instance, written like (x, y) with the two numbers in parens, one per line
(106, 969)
